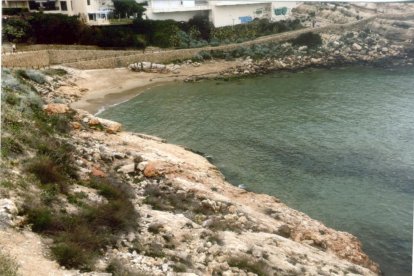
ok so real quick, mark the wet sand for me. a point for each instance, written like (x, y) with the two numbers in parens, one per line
(107, 87)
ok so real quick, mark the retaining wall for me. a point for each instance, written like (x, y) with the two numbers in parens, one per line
(169, 56)
(38, 59)
(100, 59)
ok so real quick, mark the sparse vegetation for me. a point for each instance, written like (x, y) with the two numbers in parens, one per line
(250, 264)
(118, 269)
(8, 266)
(78, 237)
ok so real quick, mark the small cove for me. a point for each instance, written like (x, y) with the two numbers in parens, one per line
(334, 144)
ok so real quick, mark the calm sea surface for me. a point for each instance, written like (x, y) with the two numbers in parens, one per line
(335, 144)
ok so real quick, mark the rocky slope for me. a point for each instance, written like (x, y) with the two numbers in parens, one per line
(187, 218)
(130, 204)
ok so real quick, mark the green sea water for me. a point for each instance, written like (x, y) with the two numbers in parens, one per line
(335, 144)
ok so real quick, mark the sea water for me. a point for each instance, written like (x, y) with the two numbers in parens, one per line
(336, 144)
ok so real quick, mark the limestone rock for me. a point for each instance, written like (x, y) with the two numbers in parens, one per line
(56, 108)
(129, 168)
(8, 211)
(75, 125)
(150, 170)
(97, 172)
(356, 47)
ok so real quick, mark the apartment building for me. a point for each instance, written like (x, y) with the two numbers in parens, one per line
(12, 4)
(93, 12)
(221, 13)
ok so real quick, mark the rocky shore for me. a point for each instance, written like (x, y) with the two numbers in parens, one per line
(353, 48)
(191, 221)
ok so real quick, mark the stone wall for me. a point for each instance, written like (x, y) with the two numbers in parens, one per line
(67, 56)
(38, 59)
(100, 59)
(181, 54)
(39, 47)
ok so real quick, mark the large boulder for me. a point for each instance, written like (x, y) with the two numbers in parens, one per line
(55, 108)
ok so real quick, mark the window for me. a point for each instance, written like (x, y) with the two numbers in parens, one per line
(63, 6)
(88, 2)
(90, 16)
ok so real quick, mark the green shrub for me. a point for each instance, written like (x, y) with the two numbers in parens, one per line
(12, 98)
(55, 72)
(10, 147)
(40, 218)
(309, 39)
(15, 29)
(72, 255)
(45, 169)
(80, 237)
(8, 266)
(36, 76)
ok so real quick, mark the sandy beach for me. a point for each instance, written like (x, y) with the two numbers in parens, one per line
(106, 87)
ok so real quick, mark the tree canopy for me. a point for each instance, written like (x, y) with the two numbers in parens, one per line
(125, 8)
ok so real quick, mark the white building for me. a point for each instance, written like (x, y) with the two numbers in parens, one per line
(93, 12)
(13, 4)
(221, 13)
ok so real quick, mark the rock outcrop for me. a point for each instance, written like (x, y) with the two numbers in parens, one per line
(191, 214)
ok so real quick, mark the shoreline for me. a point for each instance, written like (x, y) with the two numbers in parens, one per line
(107, 87)
(109, 93)
(215, 179)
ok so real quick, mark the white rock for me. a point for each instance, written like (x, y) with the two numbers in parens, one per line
(303, 48)
(129, 168)
(8, 210)
(142, 165)
(356, 47)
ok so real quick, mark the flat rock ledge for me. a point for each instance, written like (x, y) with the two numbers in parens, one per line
(184, 200)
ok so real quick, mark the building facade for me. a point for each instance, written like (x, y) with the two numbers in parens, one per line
(221, 13)
(92, 12)
(13, 4)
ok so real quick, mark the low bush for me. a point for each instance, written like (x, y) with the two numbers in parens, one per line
(55, 72)
(250, 264)
(79, 237)
(118, 269)
(45, 169)
(73, 255)
(35, 76)
(40, 218)
(10, 147)
(309, 39)
(8, 266)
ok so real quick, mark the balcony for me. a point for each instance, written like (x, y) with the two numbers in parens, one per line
(179, 6)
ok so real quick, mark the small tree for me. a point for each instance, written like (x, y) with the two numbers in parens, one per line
(15, 30)
(125, 8)
(202, 23)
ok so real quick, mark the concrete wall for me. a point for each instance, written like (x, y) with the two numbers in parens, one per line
(165, 4)
(278, 5)
(227, 15)
(177, 16)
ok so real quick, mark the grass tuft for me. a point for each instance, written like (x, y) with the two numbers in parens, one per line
(8, 266)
